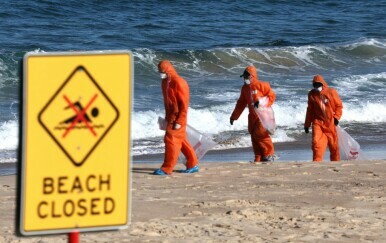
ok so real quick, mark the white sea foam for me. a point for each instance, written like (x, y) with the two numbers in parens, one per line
(9, 135)
(365, 112)
(146, 56)
(355, 81)
(38, 50)
(8, 160)
(223, 96)
(362, 88)
(366, 42)
(270, 60)
(302, 54)
(289, 115)
(145, 125)
(145, 149)
(214, 121)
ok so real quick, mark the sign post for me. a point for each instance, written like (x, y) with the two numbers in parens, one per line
(75, 142)
(73, 237)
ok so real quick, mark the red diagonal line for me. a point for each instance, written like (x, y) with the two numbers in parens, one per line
(84, 111)
(72, 125)
(79, 115)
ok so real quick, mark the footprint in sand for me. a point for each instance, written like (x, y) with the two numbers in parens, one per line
(333, 169)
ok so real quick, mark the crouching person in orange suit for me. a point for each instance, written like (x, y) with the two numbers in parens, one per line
(323, 112)
(250, 92)
(175, 92)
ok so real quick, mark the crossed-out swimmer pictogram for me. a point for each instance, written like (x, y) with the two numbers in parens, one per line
(80, 115)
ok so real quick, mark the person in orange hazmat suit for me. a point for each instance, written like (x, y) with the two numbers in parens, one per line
(324, 111)
(175, 92)
(249, 96)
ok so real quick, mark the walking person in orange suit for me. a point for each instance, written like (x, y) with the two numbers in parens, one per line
(175, 92)
(323, 112)
(249, 96)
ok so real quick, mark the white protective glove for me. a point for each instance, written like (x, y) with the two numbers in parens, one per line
(176, 126)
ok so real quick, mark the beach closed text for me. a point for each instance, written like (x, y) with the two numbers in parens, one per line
(73, 205)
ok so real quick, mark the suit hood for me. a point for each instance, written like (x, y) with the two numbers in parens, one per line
(252, 71)
(166, 67)
(320, 79)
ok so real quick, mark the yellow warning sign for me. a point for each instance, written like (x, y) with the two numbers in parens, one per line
(75, 142)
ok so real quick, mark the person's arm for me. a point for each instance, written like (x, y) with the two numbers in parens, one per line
(338, 105)
(182, 95)
(239, 108)
(267, 91)
(310, 112)
(163, 88)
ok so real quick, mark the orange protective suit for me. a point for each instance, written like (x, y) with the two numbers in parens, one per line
(322, 108)
(261, 141)
(175, 91)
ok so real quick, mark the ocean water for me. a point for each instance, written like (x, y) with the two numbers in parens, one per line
(210, 44)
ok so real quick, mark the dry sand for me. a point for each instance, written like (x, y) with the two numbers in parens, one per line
(243, 202)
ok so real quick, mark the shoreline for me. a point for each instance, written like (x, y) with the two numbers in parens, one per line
(243, 202)
(287, 152)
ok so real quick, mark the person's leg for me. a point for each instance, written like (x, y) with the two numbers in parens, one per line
(262, 141)
(256, 149)
(319, 143)
(190, 155)
(333, 145)
(267, 147)
(173, 142)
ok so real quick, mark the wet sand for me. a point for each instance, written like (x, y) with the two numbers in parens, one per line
(286, 152)
(243, 202)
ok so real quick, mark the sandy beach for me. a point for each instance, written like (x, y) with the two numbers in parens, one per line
(243, 202)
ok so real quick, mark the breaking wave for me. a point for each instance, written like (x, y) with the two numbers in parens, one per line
(270, 60)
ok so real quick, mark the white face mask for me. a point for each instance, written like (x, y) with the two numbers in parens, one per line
(247, 81)
(163, 75)
(319, 89)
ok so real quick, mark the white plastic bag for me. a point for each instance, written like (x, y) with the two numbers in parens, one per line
(266, 115)
(200, 142)
(349, 148)
(162, 123)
